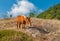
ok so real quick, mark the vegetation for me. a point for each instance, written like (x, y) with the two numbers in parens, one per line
(10, 35)
(52, 13)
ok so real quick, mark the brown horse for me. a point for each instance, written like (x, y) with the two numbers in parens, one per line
(22, 21)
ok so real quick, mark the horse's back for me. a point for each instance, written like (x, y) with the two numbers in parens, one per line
(20, 19)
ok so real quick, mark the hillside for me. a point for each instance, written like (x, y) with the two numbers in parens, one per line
(10, 35)
(41, 29)
(52, 13)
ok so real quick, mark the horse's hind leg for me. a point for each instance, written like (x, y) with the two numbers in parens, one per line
(17, 24)
(21, 26)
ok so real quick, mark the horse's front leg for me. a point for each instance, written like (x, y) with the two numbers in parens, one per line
(29, 24)
(23, 26)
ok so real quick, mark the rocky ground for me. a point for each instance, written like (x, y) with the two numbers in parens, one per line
(40, 30)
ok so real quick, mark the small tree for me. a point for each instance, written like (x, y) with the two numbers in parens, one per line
(32, 14)
(10, 16)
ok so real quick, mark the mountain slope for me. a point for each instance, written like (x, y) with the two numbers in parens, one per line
(52, 13)
(41, 30)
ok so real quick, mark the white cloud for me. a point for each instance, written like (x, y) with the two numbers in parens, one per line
(41, 10)
(21, 8)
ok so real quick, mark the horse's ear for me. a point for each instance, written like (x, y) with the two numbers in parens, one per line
(29, 17)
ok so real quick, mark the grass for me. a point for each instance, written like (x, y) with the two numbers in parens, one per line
(10, 35)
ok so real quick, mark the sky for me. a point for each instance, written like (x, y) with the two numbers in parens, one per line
(21, 7)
